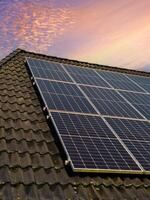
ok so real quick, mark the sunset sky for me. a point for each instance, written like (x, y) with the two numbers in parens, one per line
(110, 32)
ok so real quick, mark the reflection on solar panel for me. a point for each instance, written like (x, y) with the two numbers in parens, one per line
(101, 117)
(47, 70)
(140, 101)
(120, 81)
(143, 82)
(86, 76)
(136, 136)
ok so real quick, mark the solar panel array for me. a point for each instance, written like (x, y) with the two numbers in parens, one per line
(101, 117)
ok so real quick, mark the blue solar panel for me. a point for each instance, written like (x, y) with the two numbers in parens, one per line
(144, 109)
(47, 70)
(136, 136)
(131, 129)
(63, 96)
(103, 94)
(119, 81)
(137, 98)
(80, 70)
(110, 75)
(146, 87)
(141, 150)
(142, 81)
(90, 144)
(86, 76)
(109, 102)
(140, 101)
(59, 88)
(139, 79)
(125, 85)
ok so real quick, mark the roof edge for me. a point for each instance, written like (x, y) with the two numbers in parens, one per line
(75, 62)
(10, 55)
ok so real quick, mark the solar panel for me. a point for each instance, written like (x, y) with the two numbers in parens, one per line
(143, 82)
(100, 117)
(110, 75)
(109, 102)
(63, 96)
(141, 150)
(139, 79)
(90, 144)
(119, 81)
(86, 76)
(47, 70)
(146, 87)
(131, 129)
(136, 136)
(140, 101)
(136, 98)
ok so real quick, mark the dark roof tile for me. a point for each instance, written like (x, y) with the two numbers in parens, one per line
(4, 159)
(41, 161)
(45, 192)
(4, 175)
(3, 146)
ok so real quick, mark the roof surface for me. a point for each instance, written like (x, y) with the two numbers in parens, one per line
(31, 166)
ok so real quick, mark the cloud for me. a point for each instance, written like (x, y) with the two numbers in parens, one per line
(33, 26)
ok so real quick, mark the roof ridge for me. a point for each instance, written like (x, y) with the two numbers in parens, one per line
(91, 65)
(75, 62)
(10, 55)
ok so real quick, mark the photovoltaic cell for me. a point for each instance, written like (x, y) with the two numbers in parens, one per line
(91, 144)
(80, 70)
(108, 75)
(119, 81)
(86, 76)
(125, 85)
(131, 129)
(109, 102)
(98, 153)
(81, 125)
(142, 81)
(136, 136)
(146, 87)
(59, 88)
(101, 93)
(119, 109)
(140, 101)
(141, 150)
(47, 70)
(63, 96)
(144, 109)
(137, 98)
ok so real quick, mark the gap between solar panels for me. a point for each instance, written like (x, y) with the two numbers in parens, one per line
(100, 126)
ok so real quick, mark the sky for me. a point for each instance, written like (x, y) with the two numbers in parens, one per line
(109, 32)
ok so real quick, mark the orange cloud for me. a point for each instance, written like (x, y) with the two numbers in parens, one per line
(34, 26)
